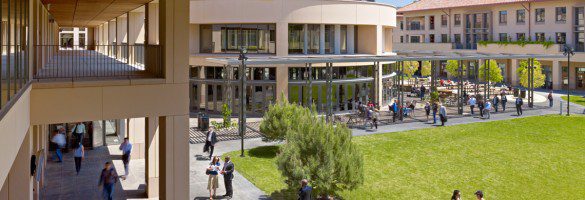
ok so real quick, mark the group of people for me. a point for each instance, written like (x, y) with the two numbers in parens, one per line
(214, 170)
(108, 176)
(457, 195)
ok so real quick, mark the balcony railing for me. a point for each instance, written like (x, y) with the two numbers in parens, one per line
(98, 61)
(464, 46)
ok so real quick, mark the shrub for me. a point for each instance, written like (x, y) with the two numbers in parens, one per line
(522, 71)
(495, 73)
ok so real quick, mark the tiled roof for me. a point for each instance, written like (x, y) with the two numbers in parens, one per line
(441, 4)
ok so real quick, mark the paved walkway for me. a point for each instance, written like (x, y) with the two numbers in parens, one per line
(243, 189)
(62, 183)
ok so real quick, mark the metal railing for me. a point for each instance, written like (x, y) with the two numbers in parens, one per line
(98, 61)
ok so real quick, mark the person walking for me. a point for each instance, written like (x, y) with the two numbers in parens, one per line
(480, 106)
(479, 195)
(423, 90)
(394, 110)
(126, 148)
(59, 140)
(108, 180)
(486, 110)
(504, 101)
(472, 101)
(213, 172)
(78, 155)
(435, 111)
(550, 99)
(305, 190)
(519, 103)
(79, 131)
(443, 114)
(456, 195)
(228, 176)
(375, 116)
(496, 102)
(211, 139)
(428, 110)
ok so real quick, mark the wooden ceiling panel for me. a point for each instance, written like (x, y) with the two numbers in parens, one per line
(88, 13)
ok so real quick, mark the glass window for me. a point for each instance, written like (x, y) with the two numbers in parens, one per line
(443, 20)
(444, 38)
(539, 15)
(343, 40)
(520, 36)
(314, 34)
(561, 38)
(503, 17)
(457, 38)
(329, 39)
(432, 38)
(561, 14)
(415, 39)
(539, 37)
(579, 16)
(520, 16)
(296, 36)
(503, 37)
(432, 23)
(401, 39)
(401, 25)
(457, 19)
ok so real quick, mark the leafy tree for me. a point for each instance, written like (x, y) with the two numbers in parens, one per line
(315, 150)
(522, 71)
(281, 118)
(426, 68)
(453, 68)
(495, 73)
(410, 68)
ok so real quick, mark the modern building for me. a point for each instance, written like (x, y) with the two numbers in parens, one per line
(131, 77)
(284, 28)
(460, 26)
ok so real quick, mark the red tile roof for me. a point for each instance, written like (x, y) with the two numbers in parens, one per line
(442, 4)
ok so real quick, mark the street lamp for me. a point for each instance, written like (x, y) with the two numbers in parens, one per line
(568, 51)
(242, 114)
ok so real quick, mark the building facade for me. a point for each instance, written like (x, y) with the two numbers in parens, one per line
(281, 28)
(455, 26)
(45, 85)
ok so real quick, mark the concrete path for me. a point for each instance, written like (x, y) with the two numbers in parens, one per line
(63, 183)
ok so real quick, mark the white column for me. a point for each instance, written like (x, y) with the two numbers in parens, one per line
(136, 136)
(337, 43)
(513, 67)
(322, 39)
(379, 39)
(305, 38)
(350, 39)
(75, 37)
(152, 171)
(557, 77)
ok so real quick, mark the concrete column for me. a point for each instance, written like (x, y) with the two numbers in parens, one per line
(136, 27)
(174, 157)
(19, 179)
(202, 87)
(75, 37)
(322, 39)
(281, 82)
(557, 75)
(136, 133)
(378, 87)
(514, 64)
(282, 39)
(379, 39)
(194, 35)
(152, 162)
(572, 76)
(350, 39)
(305, 38)
(337, 42)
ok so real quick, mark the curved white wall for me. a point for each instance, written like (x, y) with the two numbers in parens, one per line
(292, 11)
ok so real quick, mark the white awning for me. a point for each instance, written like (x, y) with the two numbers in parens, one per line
(385, 58)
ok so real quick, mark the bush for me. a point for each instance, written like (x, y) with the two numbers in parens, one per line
(315, 150)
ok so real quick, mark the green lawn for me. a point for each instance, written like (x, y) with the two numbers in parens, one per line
(575, 99)
(527, 158)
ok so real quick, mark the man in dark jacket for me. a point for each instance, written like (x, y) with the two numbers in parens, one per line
(228, 176)
(305, 191)
(210, 140)
(519, 103)
(496, 102)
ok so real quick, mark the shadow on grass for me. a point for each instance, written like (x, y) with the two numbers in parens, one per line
(285, 194)
(263, 152)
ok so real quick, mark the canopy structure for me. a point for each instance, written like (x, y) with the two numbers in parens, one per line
(397, 77)
(416, 56)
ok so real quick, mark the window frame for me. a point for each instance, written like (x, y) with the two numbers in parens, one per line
(564, 15)
(537, 18)
(503, 17)
(523, 12)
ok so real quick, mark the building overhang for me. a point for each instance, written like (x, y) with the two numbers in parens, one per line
(409, 56)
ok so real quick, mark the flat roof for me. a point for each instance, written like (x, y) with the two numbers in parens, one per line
(416, 56)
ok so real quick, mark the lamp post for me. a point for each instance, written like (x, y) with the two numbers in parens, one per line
(568, 51)
(242, 114)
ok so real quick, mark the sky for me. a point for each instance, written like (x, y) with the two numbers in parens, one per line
(397, 3)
